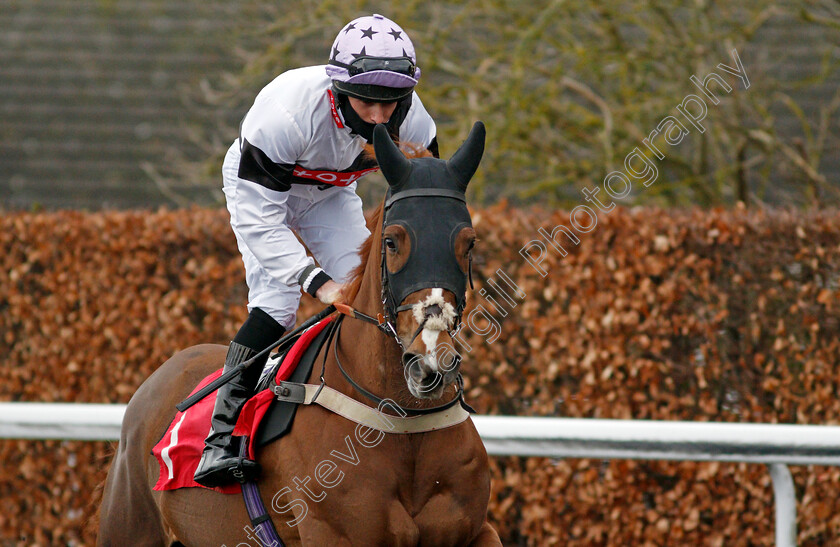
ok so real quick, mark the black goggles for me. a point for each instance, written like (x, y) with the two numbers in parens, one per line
(360, 65)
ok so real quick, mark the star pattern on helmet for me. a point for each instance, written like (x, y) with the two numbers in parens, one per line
(396, 34)
(360, 54)
(349, 27)
(368, 33)
(335, 53)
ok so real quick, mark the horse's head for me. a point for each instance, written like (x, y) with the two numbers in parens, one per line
(427, 239)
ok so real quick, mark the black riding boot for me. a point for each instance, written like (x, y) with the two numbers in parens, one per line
(220, 462)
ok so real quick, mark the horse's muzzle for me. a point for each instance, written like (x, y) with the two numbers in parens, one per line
(426, 377)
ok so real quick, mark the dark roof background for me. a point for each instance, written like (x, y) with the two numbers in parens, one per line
(94, 96)
(91, 91)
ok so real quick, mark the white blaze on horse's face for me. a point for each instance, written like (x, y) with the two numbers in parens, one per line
(431, 361)
(434, 323)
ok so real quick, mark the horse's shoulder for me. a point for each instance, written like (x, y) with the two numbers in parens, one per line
(200, 350)
(192, 364)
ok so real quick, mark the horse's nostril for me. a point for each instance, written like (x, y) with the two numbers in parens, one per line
(412, 363)
(413, 368)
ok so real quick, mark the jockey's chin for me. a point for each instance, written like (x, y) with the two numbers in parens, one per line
(373, 111)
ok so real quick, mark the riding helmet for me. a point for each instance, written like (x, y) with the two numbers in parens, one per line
(373, 59)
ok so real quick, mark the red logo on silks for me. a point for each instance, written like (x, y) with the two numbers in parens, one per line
(332, 177)
(334, 111)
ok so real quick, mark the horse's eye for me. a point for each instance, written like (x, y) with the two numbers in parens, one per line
(470, 247)
(390, 244)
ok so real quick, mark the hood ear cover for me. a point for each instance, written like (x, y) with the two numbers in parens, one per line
(464, 163)
(397, 168)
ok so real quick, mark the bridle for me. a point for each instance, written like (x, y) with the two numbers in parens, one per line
(445, 184)
(391, 303)
(332, 339)
(386, 320)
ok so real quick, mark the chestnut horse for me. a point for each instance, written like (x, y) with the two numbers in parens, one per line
(369, 488)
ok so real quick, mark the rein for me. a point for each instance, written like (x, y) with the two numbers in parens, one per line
(459, 396)
(380, 322)
(284, 342)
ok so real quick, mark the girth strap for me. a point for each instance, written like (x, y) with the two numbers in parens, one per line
(374, 418)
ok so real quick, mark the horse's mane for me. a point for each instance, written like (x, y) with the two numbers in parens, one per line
(374, 220)
(351, 288)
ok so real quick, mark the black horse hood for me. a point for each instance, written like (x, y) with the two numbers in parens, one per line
(405, 174)
(433, 217)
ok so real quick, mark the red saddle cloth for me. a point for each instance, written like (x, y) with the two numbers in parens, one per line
(179, 451)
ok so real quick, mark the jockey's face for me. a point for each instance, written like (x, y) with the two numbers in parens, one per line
(373, 112)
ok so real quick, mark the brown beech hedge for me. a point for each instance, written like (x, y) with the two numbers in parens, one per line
(724, 315)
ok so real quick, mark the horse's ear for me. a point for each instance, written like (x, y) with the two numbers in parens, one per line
(465, 161)
(395, 166)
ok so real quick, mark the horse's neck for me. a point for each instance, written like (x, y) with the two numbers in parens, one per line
(370, 357)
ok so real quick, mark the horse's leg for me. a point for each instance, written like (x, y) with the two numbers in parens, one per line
(195, 516)
(128, 513)
(487, 537)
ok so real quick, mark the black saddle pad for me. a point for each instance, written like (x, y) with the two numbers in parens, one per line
(278, 419)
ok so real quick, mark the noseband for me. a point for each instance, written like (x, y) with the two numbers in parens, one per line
(335, 331)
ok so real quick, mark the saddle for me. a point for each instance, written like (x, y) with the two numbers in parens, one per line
(263, 419)
(300, 358)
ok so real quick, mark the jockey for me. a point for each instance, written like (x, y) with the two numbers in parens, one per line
(294, 169)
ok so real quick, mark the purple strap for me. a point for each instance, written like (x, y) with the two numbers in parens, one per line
(263, 526)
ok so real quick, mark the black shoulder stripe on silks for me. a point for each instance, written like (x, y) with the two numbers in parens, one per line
(255, 166)
(433, 147)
